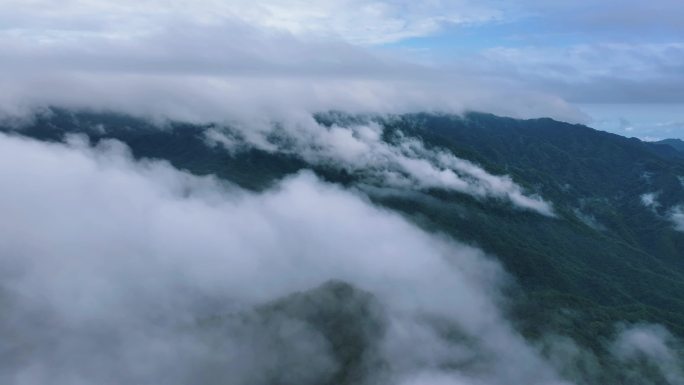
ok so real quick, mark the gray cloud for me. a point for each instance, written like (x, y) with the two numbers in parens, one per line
(194, 66)
(113, 270)
(384, 21)
(209, 59)
(596, 72)
(108, 264)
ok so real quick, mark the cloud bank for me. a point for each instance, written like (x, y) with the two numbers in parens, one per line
(121, 271)
(110, 265)
(384, 21)
(363, 149)
(210, 61)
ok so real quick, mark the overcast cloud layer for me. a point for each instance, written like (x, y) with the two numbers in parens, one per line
(674, 214)
(211, 60)
(216, 60)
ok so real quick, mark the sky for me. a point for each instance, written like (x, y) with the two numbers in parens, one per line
(617, 65)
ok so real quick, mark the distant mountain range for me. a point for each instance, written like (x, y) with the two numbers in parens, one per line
(677, 144)
(612, 253)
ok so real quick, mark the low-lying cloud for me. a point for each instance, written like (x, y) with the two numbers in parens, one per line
(674, 214)
(109, 266)
(401, 161)
(121, 271)
(649, 346)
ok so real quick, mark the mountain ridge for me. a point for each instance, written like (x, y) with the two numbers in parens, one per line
(677, 144)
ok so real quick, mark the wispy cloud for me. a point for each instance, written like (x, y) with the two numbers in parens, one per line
(221, 50)
(676, 215)
(649, 345)
(363, 148)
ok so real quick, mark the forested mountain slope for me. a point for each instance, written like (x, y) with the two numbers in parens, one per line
(610, 253)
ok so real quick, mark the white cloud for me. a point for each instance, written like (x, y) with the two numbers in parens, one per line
(107, 263)
(222, 50)
(402, 162)
(677, 217)
(650, 200)
(208, 61)
(252, 77)
(650, 139)
(651, 344)
(382, 21)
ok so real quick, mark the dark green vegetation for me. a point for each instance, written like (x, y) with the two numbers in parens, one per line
(676, 144)
(606, 258)
(351, 324)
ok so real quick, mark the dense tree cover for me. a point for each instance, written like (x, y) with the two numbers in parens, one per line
(676, 144)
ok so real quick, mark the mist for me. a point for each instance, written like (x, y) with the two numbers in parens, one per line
(676, 215)
(673, 214)
(111, 265)
(402, 162)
